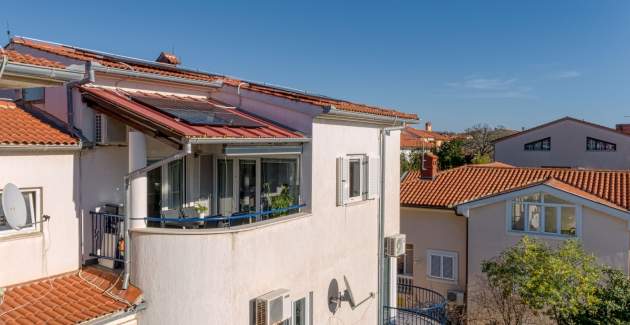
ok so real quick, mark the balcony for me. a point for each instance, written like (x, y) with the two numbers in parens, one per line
(416, 306)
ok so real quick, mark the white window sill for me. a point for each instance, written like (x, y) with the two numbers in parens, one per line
(540, 234)
(441, 280)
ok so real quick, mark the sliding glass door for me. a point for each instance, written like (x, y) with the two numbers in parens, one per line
(247, 186)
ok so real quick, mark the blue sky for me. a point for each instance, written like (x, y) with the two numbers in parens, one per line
(455, 63)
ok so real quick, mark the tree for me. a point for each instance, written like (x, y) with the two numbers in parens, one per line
(451, 155)
(555, 282)
(480, 138)
(613, 306)
(413, 162)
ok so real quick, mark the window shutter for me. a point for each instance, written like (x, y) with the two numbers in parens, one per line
(374, 166)
(343, 185)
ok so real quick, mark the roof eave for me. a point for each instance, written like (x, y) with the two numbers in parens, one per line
(200, 140)
(41, 147)
(331, 111)
(41, 75)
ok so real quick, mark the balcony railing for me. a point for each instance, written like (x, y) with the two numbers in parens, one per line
(416, 306)
(108, 233)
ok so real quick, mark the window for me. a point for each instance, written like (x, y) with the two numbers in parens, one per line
(540, 145)
(357, 178)
(256, 184)
(593, 144)
(32, 197)
(405, 262)
(543, 214)
(279, 181)
(442, 265)
(175, 186)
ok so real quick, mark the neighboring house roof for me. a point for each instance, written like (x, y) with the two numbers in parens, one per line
(425, 134)
(14, 56)
(72, 298)
(411, 138)
(20, 127)
(120, 105)
(567, 118)
(119, 62)
(468, 183)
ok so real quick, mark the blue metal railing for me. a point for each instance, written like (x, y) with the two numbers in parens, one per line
(416, 305)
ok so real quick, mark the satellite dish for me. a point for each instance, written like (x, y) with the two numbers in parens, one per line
(14, 206)
(333, 296)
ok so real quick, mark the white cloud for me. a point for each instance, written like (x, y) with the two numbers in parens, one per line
(568, 74)
(475, 87)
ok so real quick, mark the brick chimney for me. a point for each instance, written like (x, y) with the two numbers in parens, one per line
(428, 126)
(623, 128)
(429, 166)
(168, 58)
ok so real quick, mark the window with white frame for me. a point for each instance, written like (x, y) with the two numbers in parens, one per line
(246, 185)
(405, 262)
(357, 178)
(542, 213)
(32, 197)
(442, 265)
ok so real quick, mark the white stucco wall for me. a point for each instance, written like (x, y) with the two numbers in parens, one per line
(54, 249)
(568, 147)
(211, 278)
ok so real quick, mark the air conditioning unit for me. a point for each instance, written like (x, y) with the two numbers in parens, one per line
(456, 297)
(108, 131)
(273, 307)
(395, 245)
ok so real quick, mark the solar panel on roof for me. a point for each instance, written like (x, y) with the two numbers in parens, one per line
(197, 113)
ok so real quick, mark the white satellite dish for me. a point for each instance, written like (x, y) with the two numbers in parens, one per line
(14, 206)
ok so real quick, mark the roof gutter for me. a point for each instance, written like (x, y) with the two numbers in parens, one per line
(53, 75)
(153, 76)
(40, 147)
(333, 111)
(246, 140)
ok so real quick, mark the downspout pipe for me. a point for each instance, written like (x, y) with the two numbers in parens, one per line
(384, 132)
(186, 150)
(89, 78)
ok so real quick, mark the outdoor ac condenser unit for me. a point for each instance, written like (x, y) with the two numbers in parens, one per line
(273, 307)
(395, 245)
(456, 297)
(108, 131)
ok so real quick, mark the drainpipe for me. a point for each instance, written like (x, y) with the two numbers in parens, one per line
(381, 223)
(186, 150)
(89, 78)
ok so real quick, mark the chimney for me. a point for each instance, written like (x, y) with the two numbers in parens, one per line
(623, 128)
(429, 166)
(428, 126)
(168, 58)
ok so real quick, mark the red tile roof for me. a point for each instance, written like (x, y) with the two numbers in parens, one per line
(17, 57)
(411, 138)
(19, 127)
(463, 184)
(125, 104)
(171, 70)
(68, 299)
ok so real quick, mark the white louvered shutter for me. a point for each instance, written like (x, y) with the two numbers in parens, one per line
(343, 185)
(374, 175)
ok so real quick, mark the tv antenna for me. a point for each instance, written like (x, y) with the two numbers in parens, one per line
(14, 207)
(8, 32)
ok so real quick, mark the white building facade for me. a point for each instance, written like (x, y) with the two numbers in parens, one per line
(288, 203)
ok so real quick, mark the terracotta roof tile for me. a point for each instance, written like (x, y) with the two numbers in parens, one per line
(121, 99)
(19, 127)
(171, 70)
(411, 138)
(17, 57)
(67, 299)
(468, 183)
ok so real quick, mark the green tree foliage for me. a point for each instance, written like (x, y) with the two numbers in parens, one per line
(613, 305)
(413, 162)
(482, 159)
(451, 155)
(557, 282)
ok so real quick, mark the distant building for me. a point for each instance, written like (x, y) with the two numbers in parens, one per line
(567, 142)
(423, 140)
